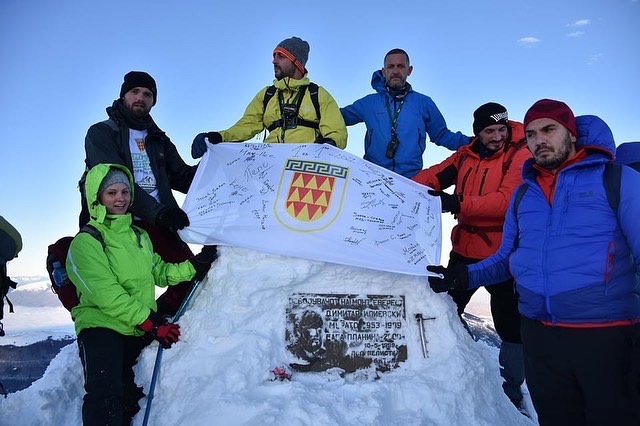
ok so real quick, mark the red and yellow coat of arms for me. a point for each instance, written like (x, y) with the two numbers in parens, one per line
(310, 194)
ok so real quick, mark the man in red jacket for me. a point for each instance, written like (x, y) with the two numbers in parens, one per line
(485, 173)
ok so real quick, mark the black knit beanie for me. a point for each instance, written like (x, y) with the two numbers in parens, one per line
(487, 115)
(139, 79)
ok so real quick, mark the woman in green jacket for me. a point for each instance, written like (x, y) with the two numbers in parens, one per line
(115, 280)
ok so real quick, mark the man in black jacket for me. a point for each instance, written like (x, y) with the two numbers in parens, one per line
(130, 137)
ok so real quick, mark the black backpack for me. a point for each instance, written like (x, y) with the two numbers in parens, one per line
(313, 92)
(61, 285)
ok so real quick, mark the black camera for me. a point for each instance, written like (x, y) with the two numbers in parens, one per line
(289, 116)
(392, 146)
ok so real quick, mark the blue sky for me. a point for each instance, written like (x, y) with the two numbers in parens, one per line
(63, 63)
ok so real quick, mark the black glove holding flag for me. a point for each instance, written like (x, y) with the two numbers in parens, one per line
(450, 203)
(203, 260)
(172, 218)
(456, 278)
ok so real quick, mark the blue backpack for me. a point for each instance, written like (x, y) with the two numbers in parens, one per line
(628, 154)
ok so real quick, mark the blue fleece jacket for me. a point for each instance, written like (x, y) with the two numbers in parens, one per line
(418, 117)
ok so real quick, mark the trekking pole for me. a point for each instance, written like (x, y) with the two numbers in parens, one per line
(156, 366)
(423, 340)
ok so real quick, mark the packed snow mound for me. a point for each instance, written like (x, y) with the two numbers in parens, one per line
(233, 335)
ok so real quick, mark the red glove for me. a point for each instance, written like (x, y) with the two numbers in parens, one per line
(167, 333)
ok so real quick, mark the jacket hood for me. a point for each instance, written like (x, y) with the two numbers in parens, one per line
(92, 183)
(595, 134)
(379, 84)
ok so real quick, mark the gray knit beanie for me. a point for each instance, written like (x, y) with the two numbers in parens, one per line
(296, 49)
(114, 176)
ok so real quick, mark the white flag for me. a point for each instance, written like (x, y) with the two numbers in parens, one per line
(313, 201)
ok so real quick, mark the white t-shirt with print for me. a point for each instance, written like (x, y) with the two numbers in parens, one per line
(142, 173)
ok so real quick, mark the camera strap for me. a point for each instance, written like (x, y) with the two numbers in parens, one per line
(297, 101)
(394, 118)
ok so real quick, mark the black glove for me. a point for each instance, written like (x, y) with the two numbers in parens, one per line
(203, 260)
(450, 203)
(199, 145)
(456, 278)
(165, 332)
(326, 140)
(172, 218)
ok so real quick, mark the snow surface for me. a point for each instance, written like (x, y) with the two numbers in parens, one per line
(233, 335)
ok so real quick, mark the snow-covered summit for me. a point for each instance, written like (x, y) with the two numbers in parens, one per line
(233, 335)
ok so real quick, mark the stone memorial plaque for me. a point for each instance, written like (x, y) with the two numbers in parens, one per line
(347, 331)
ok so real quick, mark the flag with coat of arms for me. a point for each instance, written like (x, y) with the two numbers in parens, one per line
(312, 201)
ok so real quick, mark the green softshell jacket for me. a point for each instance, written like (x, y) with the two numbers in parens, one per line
(116, 282)
(256, 118)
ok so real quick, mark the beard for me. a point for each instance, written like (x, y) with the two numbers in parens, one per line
(282, 71)
(139, 111)
(554, 160)
(397, 83)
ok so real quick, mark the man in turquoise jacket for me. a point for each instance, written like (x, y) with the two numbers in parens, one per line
(398, 119)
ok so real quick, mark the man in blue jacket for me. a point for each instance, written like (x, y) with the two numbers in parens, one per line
(574, 260)
(398, 119)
